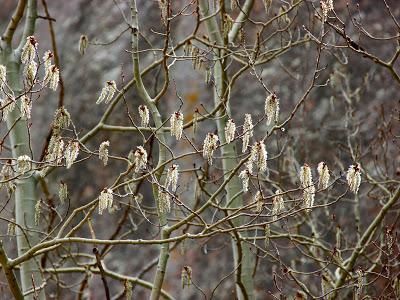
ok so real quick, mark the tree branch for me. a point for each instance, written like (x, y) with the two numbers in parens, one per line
(30, 21)
(364, 240)
(11, 279)
(13, 24)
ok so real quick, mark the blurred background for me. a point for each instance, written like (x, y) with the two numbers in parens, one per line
(358, 98)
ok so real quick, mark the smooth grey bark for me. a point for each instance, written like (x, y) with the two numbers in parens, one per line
(25, 193)
(151, 104)
(243, 258)
(241, 251)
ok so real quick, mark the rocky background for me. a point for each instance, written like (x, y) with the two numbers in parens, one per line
(359, 95)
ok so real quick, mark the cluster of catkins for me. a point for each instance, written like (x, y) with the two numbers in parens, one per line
(28, 56)
(105, 200)
(139, 160)
(353, 178)
(171, 182)
(278, 204)
(326, 6)
(6, 176)
(57, 149)
(258, 153)
(258, 157)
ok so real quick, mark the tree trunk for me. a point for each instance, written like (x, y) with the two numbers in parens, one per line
(241, 251)
(25, 194)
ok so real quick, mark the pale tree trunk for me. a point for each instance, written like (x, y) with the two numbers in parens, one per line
(25, 194)
(244, 262)
(162, 216)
